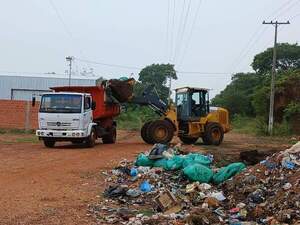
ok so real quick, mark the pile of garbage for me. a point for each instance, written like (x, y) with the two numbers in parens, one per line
(166, 186)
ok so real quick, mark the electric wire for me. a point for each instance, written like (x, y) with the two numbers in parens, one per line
(178, 48)
(172, 30)
(256, 36)
(60, 18)
(181, 21)
(168, 27)
(191, 33)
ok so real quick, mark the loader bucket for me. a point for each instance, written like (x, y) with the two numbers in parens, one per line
(122, 90)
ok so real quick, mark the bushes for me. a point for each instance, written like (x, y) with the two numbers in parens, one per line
(135, 117)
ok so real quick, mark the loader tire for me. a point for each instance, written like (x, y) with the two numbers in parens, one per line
(214, 134)
(205, 140)
(49, 143)
(144, 133)
(188, 140)
(111, 137)
(160, 131)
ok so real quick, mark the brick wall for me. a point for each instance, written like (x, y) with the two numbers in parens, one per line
(16, 114)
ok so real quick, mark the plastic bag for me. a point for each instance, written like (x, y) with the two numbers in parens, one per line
(162, 163)
(198, 172)
(227, 172)
(175, 163)
(142, 160)
(193, 158)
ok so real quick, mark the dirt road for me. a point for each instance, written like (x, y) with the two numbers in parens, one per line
(54, 186)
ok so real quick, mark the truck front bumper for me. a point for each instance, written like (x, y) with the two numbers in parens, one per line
(61, 133)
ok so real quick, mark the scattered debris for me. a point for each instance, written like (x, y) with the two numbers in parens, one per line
(178, 191)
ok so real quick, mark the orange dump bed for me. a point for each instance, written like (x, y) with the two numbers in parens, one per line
(103, 110)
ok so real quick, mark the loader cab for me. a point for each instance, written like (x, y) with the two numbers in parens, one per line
(192, 103)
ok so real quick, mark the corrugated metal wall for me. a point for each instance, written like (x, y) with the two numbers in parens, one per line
(23, 87)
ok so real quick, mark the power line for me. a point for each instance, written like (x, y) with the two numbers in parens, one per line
(252, 41)
(168, 27)
(140, 68)
(108, 64)
(60, 18)
(243, 56)
(201, 72)
(287, 9)
(181, 21)
(192, 31)
(183, 30)
(172, 30)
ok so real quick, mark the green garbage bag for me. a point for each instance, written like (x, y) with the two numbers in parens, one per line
(193, 158)
(162, 163)
(227, 172)
(175, 163)
(202, 159)
(198, 172)
(142, 160)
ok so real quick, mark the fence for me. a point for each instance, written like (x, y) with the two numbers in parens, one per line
(15, 114)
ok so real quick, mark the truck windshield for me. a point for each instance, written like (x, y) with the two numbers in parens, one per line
(61, 103)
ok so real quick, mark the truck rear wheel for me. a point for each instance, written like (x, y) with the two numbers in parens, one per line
(144, 133)
(213, 134)
(188, 140)
(49, 143)
(111, 137)
(160, 131)
(91, 140)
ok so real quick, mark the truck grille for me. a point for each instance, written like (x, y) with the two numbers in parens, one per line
(58, 124)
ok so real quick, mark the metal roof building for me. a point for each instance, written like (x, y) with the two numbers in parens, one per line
(23, 87)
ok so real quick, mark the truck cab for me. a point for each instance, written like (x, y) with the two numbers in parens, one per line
(66, 116)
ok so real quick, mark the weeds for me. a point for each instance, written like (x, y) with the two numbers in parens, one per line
(259, 126)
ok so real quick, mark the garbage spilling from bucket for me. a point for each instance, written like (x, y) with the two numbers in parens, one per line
(172, 188)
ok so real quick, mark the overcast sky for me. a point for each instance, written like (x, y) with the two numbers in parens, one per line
(37, 35)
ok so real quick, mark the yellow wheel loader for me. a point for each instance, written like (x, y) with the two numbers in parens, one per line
(189, 118)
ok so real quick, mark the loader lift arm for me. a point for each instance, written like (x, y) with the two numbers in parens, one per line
(150, 98)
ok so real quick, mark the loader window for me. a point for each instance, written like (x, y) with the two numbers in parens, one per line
(199, 104)
(182, 105)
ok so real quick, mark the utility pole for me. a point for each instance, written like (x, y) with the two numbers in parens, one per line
(70, 59)
(272, 94)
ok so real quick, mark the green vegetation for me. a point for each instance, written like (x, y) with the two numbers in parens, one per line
(16, 131)
(247, 96)
(135, 117)
(258, 126)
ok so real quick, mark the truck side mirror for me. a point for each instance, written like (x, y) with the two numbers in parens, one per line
(93, 105)
(33, 101)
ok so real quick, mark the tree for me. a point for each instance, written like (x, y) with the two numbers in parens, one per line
(156, 74)
(288, 57)
(238, 95)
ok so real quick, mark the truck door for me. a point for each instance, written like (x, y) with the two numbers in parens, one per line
(87, 113)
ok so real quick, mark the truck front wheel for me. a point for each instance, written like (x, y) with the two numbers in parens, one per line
(91, 140)
(49, 143)
(111, 137)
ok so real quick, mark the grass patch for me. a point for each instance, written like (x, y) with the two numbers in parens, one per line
(244, 124)
(27, 140)
(258, 126)
(16, 131)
